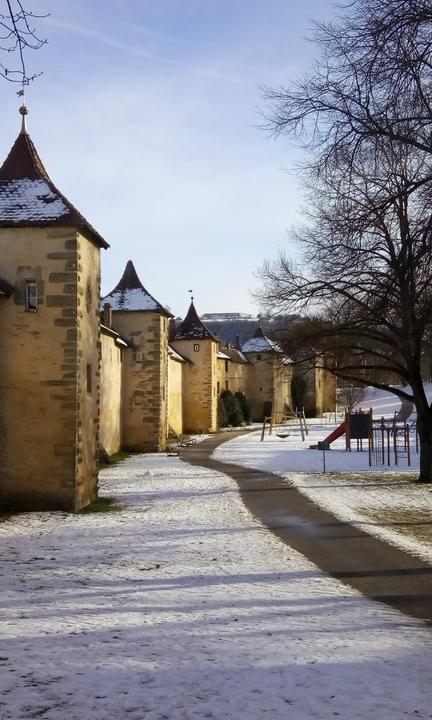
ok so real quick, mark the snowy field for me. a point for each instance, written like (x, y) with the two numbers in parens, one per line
(181, 606)
(383, 501)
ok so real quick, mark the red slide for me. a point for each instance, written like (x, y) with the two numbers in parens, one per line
(337, 432)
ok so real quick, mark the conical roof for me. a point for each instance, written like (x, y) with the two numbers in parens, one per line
(260, 343)
(192, 328)
(28, 197)
(130, 294)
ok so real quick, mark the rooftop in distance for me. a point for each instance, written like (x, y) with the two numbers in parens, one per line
(228, 316)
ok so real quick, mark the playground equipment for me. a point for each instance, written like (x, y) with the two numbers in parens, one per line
(392, 439)
(356, 426)
(389, 440)
(285, 424)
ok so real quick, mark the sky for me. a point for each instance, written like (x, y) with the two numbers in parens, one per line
(147, 117)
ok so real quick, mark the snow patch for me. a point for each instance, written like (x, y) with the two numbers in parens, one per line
(132, 299)
(30, 200)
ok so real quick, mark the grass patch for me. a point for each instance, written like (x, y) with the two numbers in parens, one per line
(101, 505)
(116, 458)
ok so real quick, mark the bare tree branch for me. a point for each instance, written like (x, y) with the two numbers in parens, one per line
(17, 34)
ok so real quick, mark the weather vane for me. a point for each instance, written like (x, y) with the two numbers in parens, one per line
(191, 296)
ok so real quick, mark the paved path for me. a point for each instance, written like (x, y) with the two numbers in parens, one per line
(380, 571)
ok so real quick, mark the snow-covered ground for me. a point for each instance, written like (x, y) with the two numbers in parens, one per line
(381, 500)
(181, 606)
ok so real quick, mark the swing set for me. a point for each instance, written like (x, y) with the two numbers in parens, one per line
(284, 424)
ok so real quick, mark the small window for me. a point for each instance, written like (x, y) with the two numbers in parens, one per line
(31, 296)
(139, 357)
(226, 385)
(226, 365)
(89, 378)
(218, 388)
(196, 347)
(258, 357)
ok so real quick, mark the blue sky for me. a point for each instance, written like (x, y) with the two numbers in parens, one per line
(147, 117)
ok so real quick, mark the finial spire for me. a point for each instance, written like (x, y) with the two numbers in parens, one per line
(191, 296)
(23, 111)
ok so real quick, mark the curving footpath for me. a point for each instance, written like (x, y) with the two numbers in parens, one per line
(380, 571)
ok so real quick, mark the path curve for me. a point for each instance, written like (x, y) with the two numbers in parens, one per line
(378, 570)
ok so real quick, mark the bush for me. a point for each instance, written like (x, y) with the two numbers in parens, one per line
(298, 390)
(244, 405)
(233, 411)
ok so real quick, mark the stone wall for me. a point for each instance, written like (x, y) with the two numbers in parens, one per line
(42, 422)
(200, 398)
(175, 396)
(88, 381)
(282, 376)
(110, 435)
(236, 377)
(145, 379)
(259, 385)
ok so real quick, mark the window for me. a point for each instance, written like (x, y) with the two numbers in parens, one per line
(226, 365)
(258, 357)
(31, 296)
(226, 385)
(139, 357)
(218, 388)
(196, 347)
(89, 378)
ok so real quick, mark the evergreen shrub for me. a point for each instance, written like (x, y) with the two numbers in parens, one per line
(244, 405)
(233, 411)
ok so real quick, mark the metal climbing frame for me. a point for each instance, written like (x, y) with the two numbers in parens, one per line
(392, 441)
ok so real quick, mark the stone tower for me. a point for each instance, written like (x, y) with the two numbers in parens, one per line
(49, 340)
(143, 321)
(194, 341)
(268, 387)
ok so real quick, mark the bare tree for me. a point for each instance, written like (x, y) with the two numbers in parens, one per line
(373, 78)
(364, 115)
(18, 34)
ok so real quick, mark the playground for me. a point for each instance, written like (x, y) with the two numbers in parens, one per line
(378, 497)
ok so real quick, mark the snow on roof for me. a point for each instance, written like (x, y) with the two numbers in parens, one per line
(28, 197)
(130, 294)
(175, 355)
(234, 354)
(260, 343)
(193, 328)
(222, 356)
(30, 200)
(118, 339)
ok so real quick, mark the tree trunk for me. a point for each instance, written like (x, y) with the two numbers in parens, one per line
(424, 429)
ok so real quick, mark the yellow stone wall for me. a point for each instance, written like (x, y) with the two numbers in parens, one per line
(222, 375)
(88, 387)
(320, 394)
(175, 396)
(268, 385)
(325, 389)
(110, 435)
(200, 399)
(236, 377)
(145, 379)
(259, 384)
(44, 460)
(282, 376)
